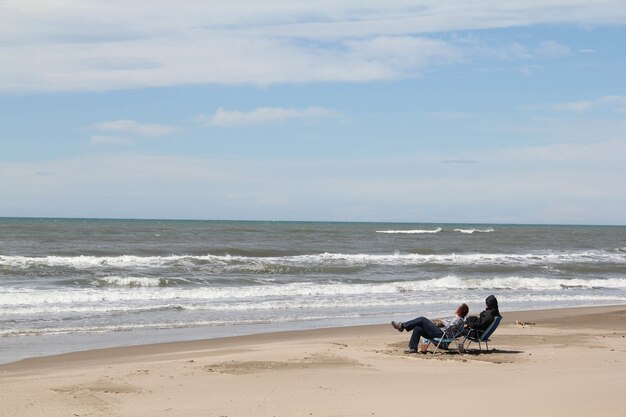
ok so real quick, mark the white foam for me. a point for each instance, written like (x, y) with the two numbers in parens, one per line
(294, 311)
(14, 298)
(470, 231)
(86, 262)
(98, 329)
(167, 325)
(115, 281)
(215, 262)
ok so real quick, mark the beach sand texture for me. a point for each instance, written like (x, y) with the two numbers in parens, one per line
(571, 362)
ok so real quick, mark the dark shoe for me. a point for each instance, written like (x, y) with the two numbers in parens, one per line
(408, 351)
(398, 326)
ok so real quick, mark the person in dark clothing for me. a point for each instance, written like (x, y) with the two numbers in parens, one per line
(486, 317)
(430, 329)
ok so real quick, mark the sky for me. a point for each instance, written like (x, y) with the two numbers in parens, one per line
(406, 111)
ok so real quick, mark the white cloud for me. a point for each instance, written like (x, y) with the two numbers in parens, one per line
(96, 140)
(403, 54)
(515, 51)
(528, 70)
(519, 51)
(60, 45)
(264, 115)
(575, 106)
(134, 127)
(616, 103)
(613, 100)
(552, 49)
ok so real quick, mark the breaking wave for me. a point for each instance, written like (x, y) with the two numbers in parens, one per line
(192, 263)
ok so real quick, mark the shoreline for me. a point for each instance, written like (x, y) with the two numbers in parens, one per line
(131, 351)
(264, 337)
(571, 362)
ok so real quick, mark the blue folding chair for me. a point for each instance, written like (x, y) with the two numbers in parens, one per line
(480, 336)
(448, 337)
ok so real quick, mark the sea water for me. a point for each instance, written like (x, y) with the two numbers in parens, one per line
(72, 284)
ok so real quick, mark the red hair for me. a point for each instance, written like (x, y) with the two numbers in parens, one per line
(462, 310)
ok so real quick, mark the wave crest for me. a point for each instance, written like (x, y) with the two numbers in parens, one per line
(12, 298)
(301, 263)
(470, 231)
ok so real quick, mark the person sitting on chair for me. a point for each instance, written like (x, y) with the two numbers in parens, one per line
(430, 329)
(485, 318)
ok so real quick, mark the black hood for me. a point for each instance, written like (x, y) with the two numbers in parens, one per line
(492, 302)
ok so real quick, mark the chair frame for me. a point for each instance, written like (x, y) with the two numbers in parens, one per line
(448, 337)
(478, 336)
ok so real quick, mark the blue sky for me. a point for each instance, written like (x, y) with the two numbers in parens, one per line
(418, 111)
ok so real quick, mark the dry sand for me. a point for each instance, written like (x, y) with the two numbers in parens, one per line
(571, 362)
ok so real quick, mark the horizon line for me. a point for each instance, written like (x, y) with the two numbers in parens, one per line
(305, 221)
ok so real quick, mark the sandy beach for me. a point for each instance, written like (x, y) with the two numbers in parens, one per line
(570, 362)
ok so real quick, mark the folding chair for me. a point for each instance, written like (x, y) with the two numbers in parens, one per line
(475, 335)
(448, 337)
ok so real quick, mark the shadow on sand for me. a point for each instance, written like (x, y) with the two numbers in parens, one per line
(477, 352)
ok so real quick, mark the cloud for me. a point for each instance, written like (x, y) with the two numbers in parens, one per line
(518, 51)
(403, 55)
(213, 58)
(93, 45)
(97, 140)
(575, 106)
(529, 69)
(613, 100)
(552, 49)
(264, 115)
(515, 51)
(119, 132)
(616, 103)
(134, 128)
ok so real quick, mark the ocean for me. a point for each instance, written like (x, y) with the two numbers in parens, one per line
(74, 284)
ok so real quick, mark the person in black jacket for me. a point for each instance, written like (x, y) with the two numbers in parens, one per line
(486, 317)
